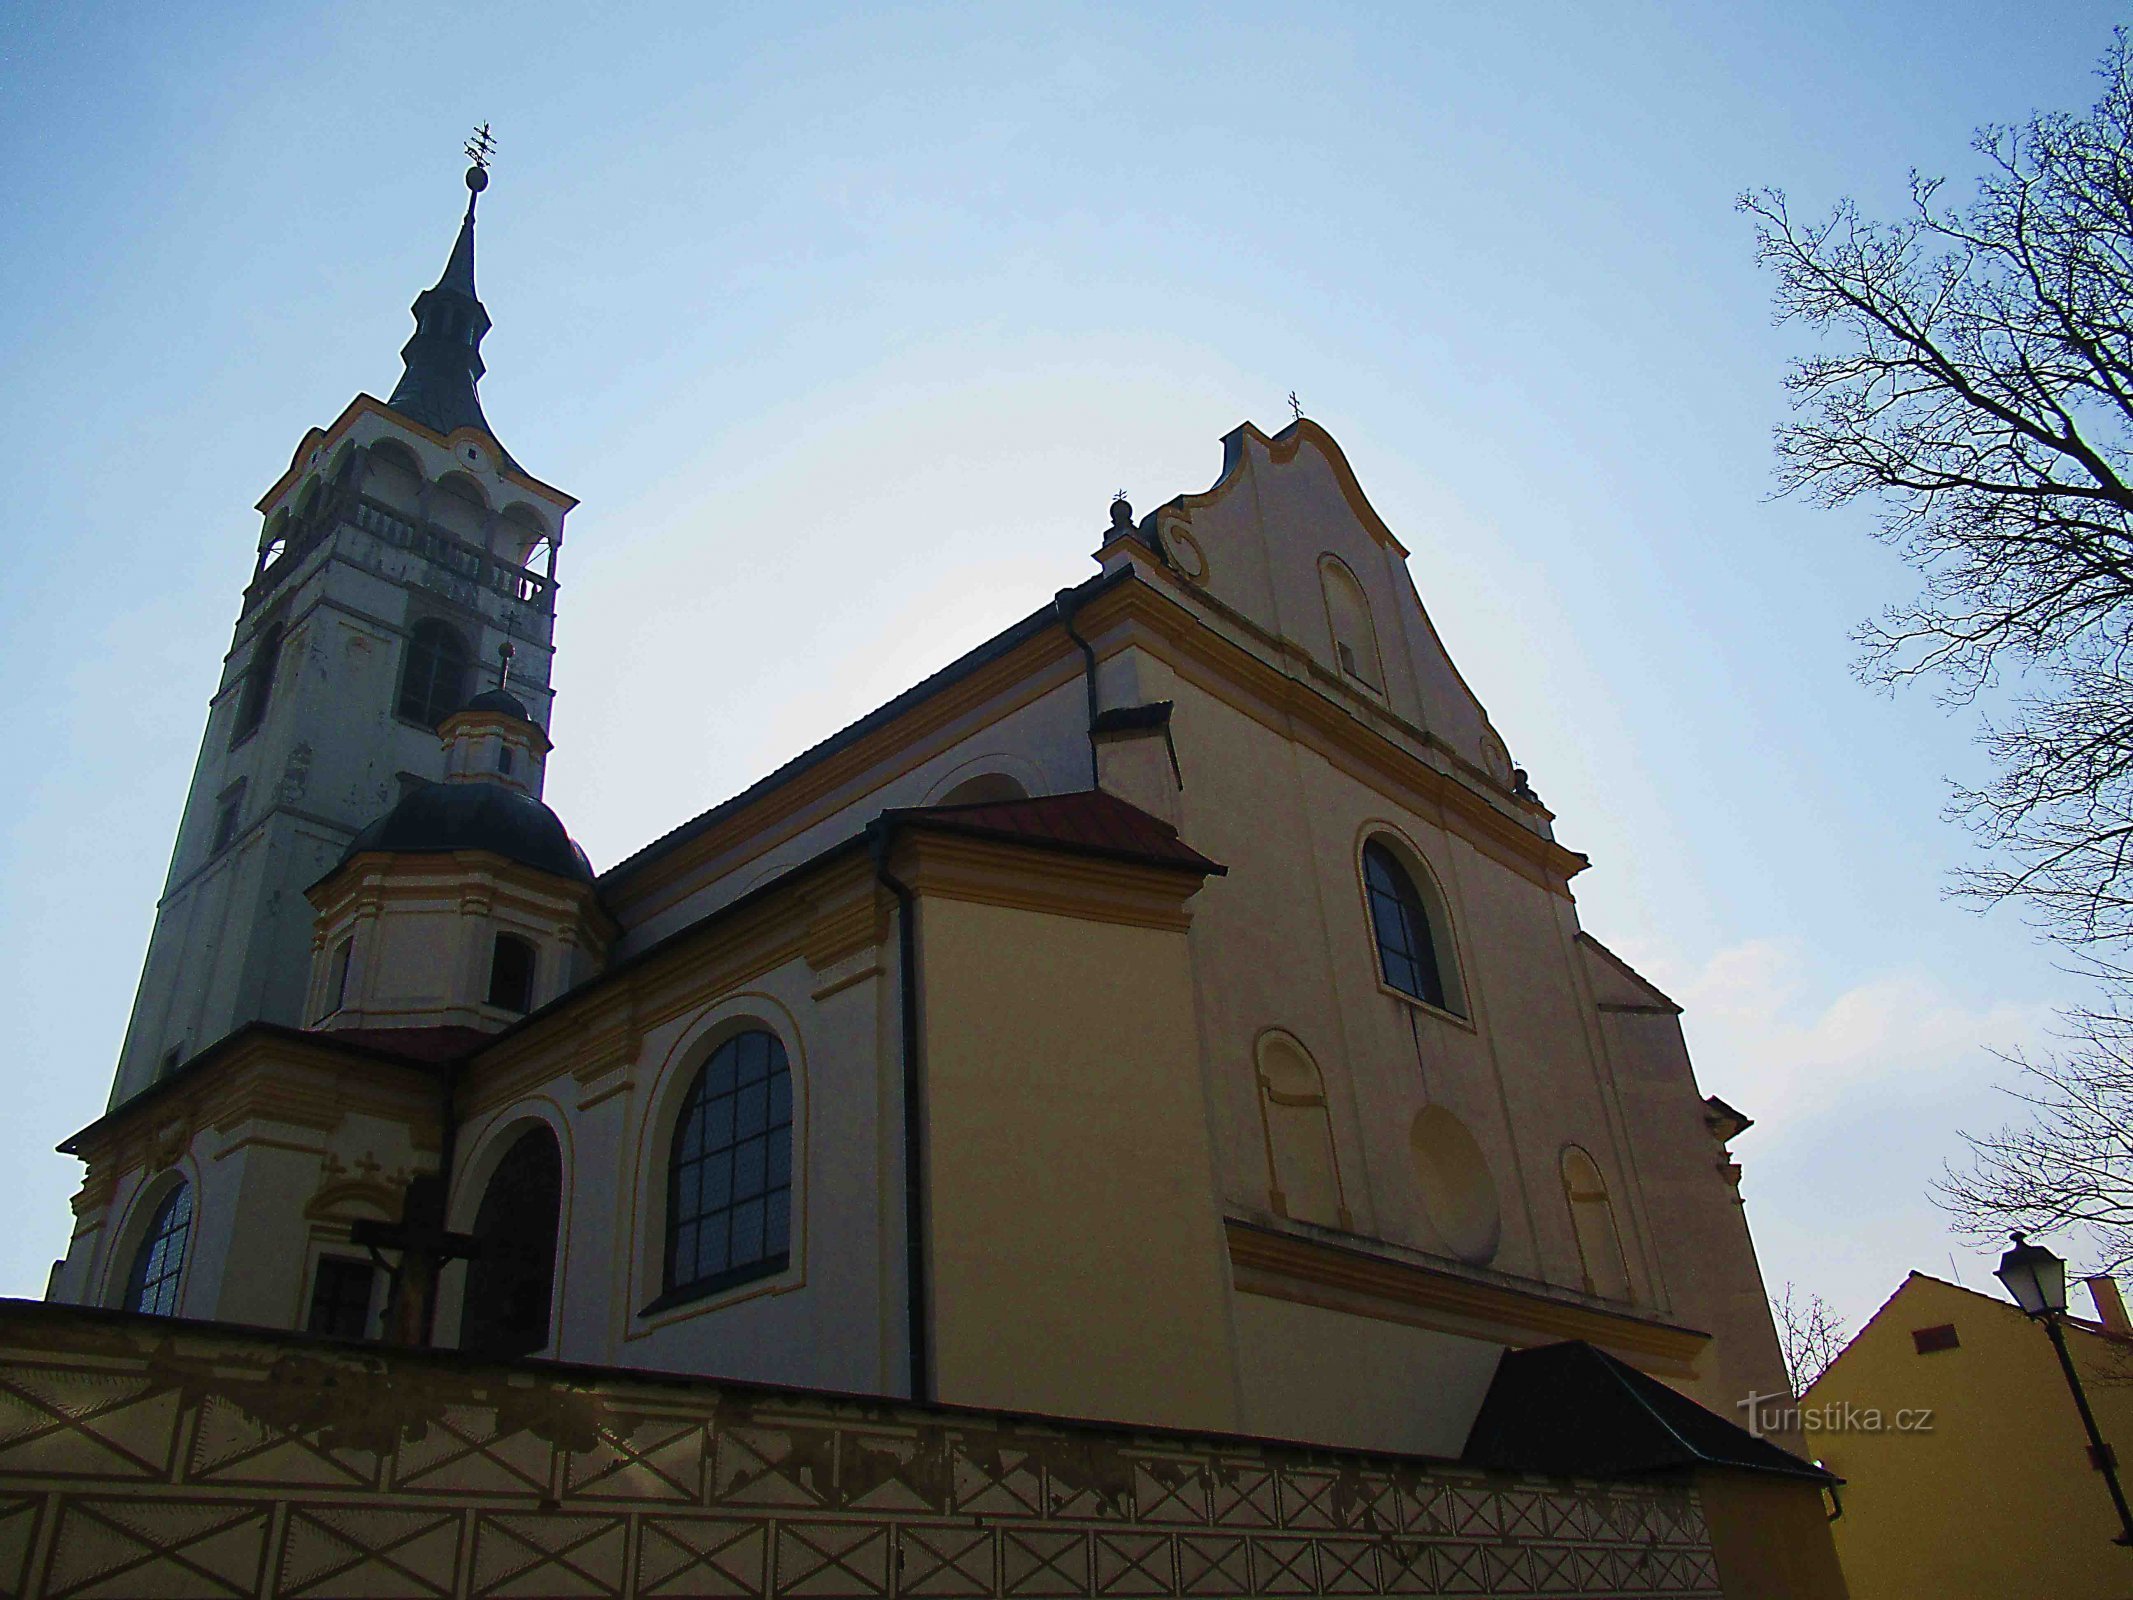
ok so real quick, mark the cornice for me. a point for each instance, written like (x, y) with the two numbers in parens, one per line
(368, 405)
(1023, 878)
(291, 1081)
(1022, 675)
(821, 916)
(445, 877)
(1287, 703)
(1286, 1266)
(1281, 449)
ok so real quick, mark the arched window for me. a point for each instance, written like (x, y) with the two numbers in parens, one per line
(152, 1283)
(1592, 1219)
(460, 507)
(729, 1182)
(1355, 638)
(433, 680)
(1407, 953)
(258, 683)
(1303, 1165)
(274, 542)
(337, 976)
(511, 973)
(511, 1279)
(394, 475)
(987, 788)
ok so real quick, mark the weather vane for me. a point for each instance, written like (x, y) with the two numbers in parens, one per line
(1296, 409)
(480, 148)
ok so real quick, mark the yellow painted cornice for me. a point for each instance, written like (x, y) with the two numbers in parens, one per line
(517, 731)
(364, 405)
(1029, 672)
(375, 878)
(1284, 701)
(1290, 705)
(820, 915)
(1281, 449)
(1286, 1266)
(302, 1081)
(1026, 878)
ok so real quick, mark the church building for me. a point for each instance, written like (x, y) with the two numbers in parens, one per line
(1173, 1014)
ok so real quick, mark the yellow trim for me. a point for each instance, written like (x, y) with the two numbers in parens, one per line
(305, 1083)
(1202, 657)
(366, 405)
(1036, 669)
(646, 1197)
(1278, 701)
(1281, 450)
(950, 867)
(1283, 1266)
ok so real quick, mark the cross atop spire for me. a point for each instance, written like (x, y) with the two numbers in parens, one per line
(443, 365)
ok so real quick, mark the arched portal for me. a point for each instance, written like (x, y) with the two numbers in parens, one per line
(511, 1279)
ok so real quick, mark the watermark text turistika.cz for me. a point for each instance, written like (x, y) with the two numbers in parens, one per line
(1780, 1413)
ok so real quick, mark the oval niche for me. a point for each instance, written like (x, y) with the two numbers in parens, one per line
(1457, 1191)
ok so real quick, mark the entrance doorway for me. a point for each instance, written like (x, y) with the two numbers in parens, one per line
(511, 1279)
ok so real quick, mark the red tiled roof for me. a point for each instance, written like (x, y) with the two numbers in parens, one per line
(432, 1045)
(1089, 821)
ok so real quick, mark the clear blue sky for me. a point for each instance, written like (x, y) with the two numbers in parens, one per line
(845, 322)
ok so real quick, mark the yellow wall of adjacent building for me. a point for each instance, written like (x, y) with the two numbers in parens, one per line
(1996, 1498)
(1077, 1254)
(1770, 1539)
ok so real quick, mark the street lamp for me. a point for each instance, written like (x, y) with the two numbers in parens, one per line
(2037, 1280)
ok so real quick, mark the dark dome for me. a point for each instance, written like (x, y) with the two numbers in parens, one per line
(499, 700)
(476, 816)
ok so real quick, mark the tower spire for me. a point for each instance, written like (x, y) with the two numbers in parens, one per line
(442, 363)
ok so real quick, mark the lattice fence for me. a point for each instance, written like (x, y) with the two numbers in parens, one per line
(140, 1458)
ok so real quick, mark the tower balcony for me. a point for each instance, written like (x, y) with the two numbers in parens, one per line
(446, 552)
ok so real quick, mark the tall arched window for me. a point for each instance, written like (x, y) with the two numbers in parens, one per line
(433, 679)
(258, 683)
(1303, 1164)
(1355, 638)
(511, 1279)
(1407, 952)
(152, 1282)
(511, 973)
(1592, 1219)
(337, 976)
(729, 1182)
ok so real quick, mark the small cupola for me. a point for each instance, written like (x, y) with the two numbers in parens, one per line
(466, 905)
(494, 739)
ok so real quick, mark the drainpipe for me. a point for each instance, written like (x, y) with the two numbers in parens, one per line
(1066, 603)
(914, 1178)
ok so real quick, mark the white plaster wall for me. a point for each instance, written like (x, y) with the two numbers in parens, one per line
(833, 1318)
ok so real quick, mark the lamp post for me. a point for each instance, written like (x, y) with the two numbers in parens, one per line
(2037, 1280)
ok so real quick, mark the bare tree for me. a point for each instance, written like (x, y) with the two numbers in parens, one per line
(2069, 1168)
(1976, 381)
(1810, 1333)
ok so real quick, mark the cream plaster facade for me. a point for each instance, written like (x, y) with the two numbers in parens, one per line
(1108, 1228)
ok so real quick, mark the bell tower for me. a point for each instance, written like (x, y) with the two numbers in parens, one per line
(399, 555)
